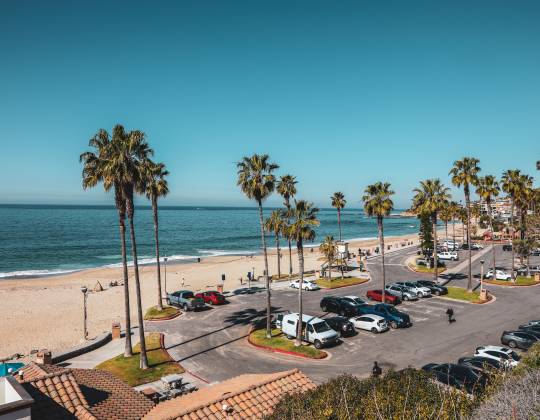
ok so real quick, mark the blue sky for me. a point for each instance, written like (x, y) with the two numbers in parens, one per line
(340, 95)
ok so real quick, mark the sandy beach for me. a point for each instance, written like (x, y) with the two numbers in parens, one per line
(46, 312)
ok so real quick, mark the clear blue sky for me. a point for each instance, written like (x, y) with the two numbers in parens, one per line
(340, 94)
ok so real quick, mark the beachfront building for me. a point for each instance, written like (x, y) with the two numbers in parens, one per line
(500, 208)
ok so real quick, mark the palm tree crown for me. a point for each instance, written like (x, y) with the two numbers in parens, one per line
(465, 173)
(156, 184)
(304, 220)
(338, 200)
(286, 187)
(487, 188)
(377, 201)
(431, 197)
(255, 177)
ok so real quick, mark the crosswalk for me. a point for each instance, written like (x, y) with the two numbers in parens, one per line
(429, 309)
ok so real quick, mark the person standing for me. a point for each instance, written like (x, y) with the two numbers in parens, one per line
(376, 371)
(450, 313)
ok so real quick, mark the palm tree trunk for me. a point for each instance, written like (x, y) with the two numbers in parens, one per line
(381, 244)
(492, 234)
(446, 230)
(329, 270)
(131, 213)
(512, 239)
(454, 231)
(128, 350)
(156, 235)
(300, 251)
(468, 203)
(290, 258)
(435, 263)
(278, 257)
(339, 222)
(266, 276)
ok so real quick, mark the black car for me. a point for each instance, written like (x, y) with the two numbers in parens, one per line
(462, 377)
(341, 325)
(529, 327)
(533, 269)
(482, 363)
(339, 305)
(507, 247)
(435, 288)
(519, 339)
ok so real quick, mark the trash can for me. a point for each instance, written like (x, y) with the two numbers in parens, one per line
(115, 330)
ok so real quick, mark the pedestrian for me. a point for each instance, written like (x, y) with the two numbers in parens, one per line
(450, 313)
(183, 281)
(376, 371)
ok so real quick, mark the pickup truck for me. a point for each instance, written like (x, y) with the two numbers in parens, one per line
(395, 318)
(185, 299)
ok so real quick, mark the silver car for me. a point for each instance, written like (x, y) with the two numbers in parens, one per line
(402, 292)
(415, 288)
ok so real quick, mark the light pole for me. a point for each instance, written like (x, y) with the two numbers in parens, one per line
(165, 259)
(481, 276)
(84, 291)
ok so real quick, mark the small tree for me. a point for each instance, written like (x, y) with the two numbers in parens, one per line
(426, 233)
(329, 249)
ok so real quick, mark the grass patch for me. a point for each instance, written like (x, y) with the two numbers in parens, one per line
(339, 282)
(127, 368)
(424, 269)
(154, 313)
(281, 342)
(520, 281)
(460, 293)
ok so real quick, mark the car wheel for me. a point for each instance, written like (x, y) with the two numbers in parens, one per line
(405, 298)
(324, 308)
(185, 307)
(342, 312)
(438, 293)
(370, 298)
(374, 330)
(393, 325)
(290, 337)
(512, 344)
(317, 344)
(419, 294)
(212, 302)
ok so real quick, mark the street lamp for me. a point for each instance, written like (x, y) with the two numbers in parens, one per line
(165, 259)
(84, 291)
(481, 275)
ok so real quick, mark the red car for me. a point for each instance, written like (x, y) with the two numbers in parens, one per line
(211, 297)
(376, 294)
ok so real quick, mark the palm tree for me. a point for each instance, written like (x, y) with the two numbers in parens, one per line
(301, 229)
(524, 199)
(487, 189)
(99, 167)
(338, 202)
(329, 249)
(276, 224)
(286, 187)
(511, 186)
(454, 211)
(257, 182)
(464, 174)
(156, 187)
(431, 198)
(377, 203)
(446, 216)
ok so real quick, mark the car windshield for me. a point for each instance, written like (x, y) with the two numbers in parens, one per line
(188, 295)
(392, 310)
(357, 300)
(515, 356)
(321, 327)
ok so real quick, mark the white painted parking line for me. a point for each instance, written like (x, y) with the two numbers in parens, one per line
(415, 320)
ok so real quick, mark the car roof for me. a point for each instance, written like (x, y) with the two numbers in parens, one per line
(494, 348)
(375, 317)
(183, 291)
(305, 317)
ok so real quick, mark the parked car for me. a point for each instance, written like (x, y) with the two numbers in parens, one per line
(533, 269)
(474, 247)
(185, 299)
(535, 252)
(306, 285)
(316, 330)
(418, 289)
(499, 275)
(507, 247)
(458, 376)
(529, 327)
(518, 339)
(341, 325)
(532, 322)
(211, 297)
(449, 255)
(402, 292)
(394, 318)
(354, 299)
(484, 363)
(370, 322)
(434, 288)
(339, 305)
(451, 245)
(504, 355)
(377, 295)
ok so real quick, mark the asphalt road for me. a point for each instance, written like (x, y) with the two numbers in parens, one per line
(212, 344)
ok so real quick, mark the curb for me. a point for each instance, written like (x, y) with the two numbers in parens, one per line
(82, 349)
(290, 353)
(487, 302)
(510, 285)
(165, 319)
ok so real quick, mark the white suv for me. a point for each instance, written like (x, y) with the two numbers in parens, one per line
(499, 275)
(504, 355)
(450, 255)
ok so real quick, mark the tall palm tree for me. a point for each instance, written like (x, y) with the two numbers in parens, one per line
(511, 185)
(487, 189)
(257, 182)
(99, 167)
(431, 198)
(454, 211)
(339, 202)
(329, 249)
(446, 216)
(378, 203)
(276, 224)
(286, 187)
(156, 187)
(304, 220)
(464, 174)
(524, 199)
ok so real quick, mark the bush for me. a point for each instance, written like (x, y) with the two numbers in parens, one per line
(407, 394)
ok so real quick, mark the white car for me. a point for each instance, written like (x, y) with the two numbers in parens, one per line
(451, 245)
(306, 285)
(374, 323)
(355, 300)
(448, 255)
(421, 291)
(499, 275)
(503, 355)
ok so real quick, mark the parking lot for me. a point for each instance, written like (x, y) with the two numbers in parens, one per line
(212, 343)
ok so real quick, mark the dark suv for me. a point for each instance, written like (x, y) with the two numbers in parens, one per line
(462, 377)
(436, 289)
(339, 305)
(519, 339)
(395, 318)
(341, 325)
(507, 247)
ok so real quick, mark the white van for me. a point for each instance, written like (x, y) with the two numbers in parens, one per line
(316, 330)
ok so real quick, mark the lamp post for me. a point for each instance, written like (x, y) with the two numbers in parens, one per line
(84, 291)
(481, 276)
(165, 260)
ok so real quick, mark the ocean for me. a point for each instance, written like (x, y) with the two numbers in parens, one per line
(40, 240)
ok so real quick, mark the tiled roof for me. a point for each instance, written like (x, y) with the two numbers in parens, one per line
(247, 396)
(81, 393)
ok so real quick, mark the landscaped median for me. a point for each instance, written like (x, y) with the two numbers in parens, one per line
(340, 282)
(159, 363)
(459, 293)
(168, 312)
(281, 344)
(520, 281)
(411, 263)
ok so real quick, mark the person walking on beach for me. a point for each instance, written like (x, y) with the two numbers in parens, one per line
(450, 313)
(376, 371)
